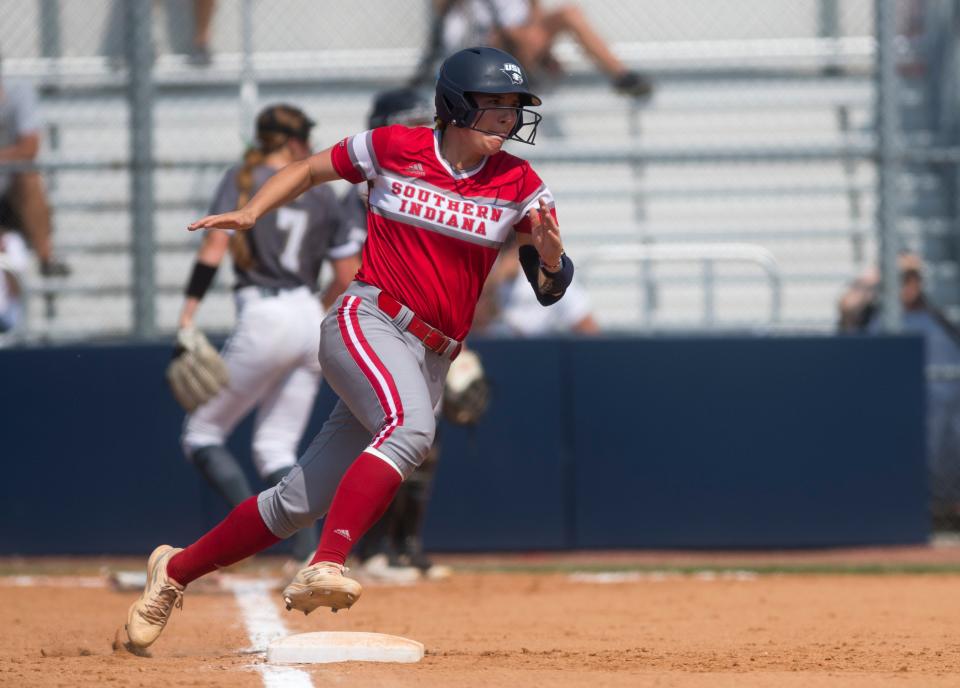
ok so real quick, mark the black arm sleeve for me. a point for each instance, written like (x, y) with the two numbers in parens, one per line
(557, 282)
(200, 280)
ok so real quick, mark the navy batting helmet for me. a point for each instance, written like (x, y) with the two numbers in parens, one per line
(484, 70)
(400, 106)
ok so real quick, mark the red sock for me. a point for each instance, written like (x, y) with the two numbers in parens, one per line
(236, 537)
(364, 493)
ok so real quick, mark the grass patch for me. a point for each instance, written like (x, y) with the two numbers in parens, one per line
(692, 570)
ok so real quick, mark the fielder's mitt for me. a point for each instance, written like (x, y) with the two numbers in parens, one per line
(197, 373)
(466, 391)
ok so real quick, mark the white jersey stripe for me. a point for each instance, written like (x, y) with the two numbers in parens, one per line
(434, 227)
(360, 155)
(389, 176)
(352, 154)
(368, 139)
(533, 200)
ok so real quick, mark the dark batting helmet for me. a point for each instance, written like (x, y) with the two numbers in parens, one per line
(286, 120)
(400, 106)
(484, 70)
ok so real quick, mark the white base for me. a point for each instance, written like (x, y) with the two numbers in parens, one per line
(322, 647)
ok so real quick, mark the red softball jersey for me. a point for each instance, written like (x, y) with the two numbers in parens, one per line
(433, 232)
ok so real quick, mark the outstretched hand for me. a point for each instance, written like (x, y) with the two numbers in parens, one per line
(238, 219)
(546, 235)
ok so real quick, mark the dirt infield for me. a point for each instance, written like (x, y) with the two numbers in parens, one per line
(517, 628)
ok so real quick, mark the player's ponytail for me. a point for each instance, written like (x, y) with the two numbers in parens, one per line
(275, 125)
(239, 242)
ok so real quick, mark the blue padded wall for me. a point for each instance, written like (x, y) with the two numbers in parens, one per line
(614, 442)
(749, 443)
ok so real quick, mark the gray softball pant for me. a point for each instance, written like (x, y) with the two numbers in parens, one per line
(389, 385)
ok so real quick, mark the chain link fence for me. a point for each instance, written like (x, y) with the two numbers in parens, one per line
(762, 134)
(789, 146)
(143, 109)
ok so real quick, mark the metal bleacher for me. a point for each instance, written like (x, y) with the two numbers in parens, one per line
(766, 143)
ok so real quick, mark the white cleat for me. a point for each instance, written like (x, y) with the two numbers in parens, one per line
(438, 572)
(321, 585)
(378, 569)
(149, 614)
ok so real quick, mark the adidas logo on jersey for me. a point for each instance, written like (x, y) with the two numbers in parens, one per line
(415, 169)
(343, 532)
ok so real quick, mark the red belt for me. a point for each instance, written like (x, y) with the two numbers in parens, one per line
(432, 338)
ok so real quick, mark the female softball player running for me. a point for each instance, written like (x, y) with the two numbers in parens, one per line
(441, 204)
(271, 357)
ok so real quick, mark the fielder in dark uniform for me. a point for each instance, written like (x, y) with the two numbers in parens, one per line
(271, 357)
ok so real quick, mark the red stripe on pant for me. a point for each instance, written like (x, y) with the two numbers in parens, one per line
(372, 367)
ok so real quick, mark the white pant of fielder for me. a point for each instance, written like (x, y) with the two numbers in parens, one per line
(272, 360)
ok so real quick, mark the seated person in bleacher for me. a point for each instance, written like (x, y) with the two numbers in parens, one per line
(187, 33)
(13, 261)
(504, 308)
(528, 30)
(859, 313)
(23, 201)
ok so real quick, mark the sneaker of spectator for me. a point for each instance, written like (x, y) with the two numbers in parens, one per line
(54, 267)
(200, 56)
(634, 84)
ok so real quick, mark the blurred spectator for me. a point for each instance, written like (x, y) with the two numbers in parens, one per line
(527, 30)
(202, 17)
(859, 308)
(23, 200)
(14, 259)
(859, 305)
(508, 307)
(196, 45)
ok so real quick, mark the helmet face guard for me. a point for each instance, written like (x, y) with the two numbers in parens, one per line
(524, 130)
(484, 71)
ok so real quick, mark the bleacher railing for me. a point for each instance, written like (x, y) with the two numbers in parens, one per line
(706, 256)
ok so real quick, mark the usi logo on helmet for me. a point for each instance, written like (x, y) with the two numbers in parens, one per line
(513, 71)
